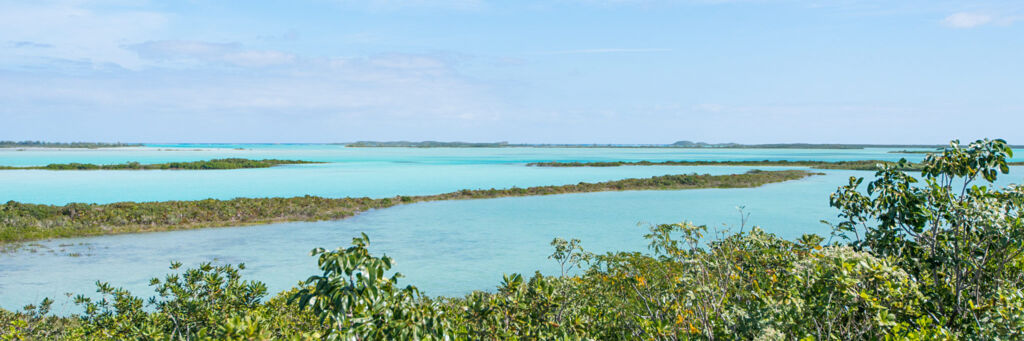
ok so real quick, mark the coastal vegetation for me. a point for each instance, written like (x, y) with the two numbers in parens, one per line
(912, 151)
(21, 221)
(940, 257)
(690, 144)
(41, 144)
(230, 163)
(868, 165)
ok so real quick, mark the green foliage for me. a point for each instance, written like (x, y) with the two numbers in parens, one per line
(206, 303)
(569, 254)
(34, 323)
(356, 300)
(960, 241)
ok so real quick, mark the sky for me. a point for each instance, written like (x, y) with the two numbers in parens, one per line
(524, 71)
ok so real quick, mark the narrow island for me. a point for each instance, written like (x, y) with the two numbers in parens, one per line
(867, 165)
(231, 163)
(87, 145)
(24, 222)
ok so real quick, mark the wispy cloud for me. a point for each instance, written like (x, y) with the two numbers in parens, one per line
(200, 51)
(289, 36)
(76, 30)
(28, 44)
(967, 20)
(390, 5)
(393, 86)
(607, 50)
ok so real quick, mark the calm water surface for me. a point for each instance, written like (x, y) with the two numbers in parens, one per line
(445, 248)
(373, 172)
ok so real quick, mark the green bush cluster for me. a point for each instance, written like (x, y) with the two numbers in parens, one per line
(751, 285)
(933, 260)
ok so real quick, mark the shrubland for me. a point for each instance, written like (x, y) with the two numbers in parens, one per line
(935, 257)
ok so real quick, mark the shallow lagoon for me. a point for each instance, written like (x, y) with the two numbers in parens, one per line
(373, 172)
(445, 248)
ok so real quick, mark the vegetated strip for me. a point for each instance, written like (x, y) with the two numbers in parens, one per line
(914, 151)
(42, 144)
(23, 222)
(232, 163)
(869, 165)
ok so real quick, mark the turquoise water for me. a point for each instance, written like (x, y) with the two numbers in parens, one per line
(373, 172)
(444, 248)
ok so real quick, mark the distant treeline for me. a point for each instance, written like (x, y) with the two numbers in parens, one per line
(41, 144)
(850, 165)
(690, 144)
(847, 165)
(232, 163)
(913, 151)
(19, 221)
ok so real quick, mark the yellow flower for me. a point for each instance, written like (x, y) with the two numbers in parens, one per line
(641, 280)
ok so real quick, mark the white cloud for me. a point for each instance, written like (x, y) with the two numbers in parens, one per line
(259, 58)
(967, 20)
(74, 31)
(391, 5)
(608, 50)
(396, 86)
(207, 52)
(182, 49)
(407, 61)
(28, 44)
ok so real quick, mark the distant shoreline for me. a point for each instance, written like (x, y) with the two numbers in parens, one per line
(233, 163)
(69, 145)
(866, 165)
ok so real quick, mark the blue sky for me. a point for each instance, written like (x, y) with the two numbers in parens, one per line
(557, 71)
